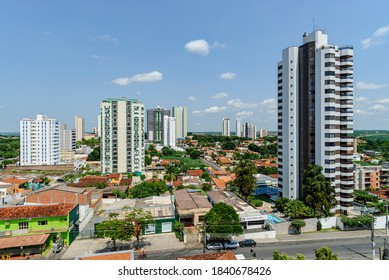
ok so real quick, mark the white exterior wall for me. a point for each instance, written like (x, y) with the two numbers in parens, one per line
(226, 127)
(239, 127)
(180, 114)
(169, 135)
(79, 126)
(39, 141)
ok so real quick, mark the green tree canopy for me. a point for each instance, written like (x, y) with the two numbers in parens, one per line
(296, 209)
(245, 180)
(281, 202)
(146, 189)
(94, 155)
(222, 220)
(317, 191)
(116, 230)
(324, 253)
(298, 224)
(283, 256)
(140, 220)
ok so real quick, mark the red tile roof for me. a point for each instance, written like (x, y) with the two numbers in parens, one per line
(35, 211)
(219, 183)
(108, 257)
(23, 241)
(114, 176)
(214, 256)
(15, 181)
(195, 172)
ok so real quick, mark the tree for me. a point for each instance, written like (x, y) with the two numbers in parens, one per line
(298, 224)
(193, 153)
(147, 160)
(222, 220)
(317, 191)
(115, 229)
(146, 189)
(205, 176)
(140, 221)
(171, 173)
(245, 180)
(283, 256)
(167, 151)
(324, 253)
(94, 155)
(296, 209)
(281, 202)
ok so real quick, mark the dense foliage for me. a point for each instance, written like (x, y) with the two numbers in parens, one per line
(298, 224)
(380, 145)
(324, 253)
(265, 151)
(364, 197)
(296, 209)
(9, 147)
(210, 140)
(222, 220)
(364, 220)
(94, 155)
(317, 191)
(115, 229)
(146, 189)
(283, 256)
(245, 180)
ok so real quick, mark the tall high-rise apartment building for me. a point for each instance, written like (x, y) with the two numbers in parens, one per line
(180, 114)
(226, 130)
(79, 126)
(262, 133)
(122, 135)
(315, 116)
(155, 124)
(39, 141)
(169, 131)
(239, 127)
(68, 139)
(249, 131)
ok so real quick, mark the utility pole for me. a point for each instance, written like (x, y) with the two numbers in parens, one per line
(204, 237)
(372, 237)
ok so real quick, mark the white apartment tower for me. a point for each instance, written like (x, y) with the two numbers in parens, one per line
(180, 114)
(315, 116)
(250, 131)
(239, 127)
(226, 131)
(169, 131)
(68, 139)
(39, 141)
(79, 126)
(122, 135)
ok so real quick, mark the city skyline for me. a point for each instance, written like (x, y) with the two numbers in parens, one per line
(217, 60)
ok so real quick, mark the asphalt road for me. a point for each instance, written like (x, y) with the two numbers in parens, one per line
(346, 249)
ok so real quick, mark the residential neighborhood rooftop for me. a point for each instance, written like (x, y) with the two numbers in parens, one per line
(36, 211)
(23, 241)
(186, 199)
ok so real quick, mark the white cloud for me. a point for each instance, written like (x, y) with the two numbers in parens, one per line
(370, 86)
(150, 77)
(376, 37)
(362, 112)
(218, 45)
(238, 104)
(383, 101)
(227, 76)
(269, 105)
(244, 114)
(361, 99)
(215, 109)
(106, 38)
(210, 110)
(377, 108)
(101, 57)
(220, 95)
(198, 46)
(191, 98)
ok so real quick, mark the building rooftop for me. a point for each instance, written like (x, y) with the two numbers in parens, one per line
(186, 199)
(23, 241)
(36, 211)
(109, 256)
(195, 172)
(231, 199)
(18, 181)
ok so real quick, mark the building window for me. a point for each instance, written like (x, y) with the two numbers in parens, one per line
(150, 229)
(329, 161)
(329, 55)
(329, 90)
(329, 170)
(23, 225)
(42, 223)
(329, 73)
(329, 82)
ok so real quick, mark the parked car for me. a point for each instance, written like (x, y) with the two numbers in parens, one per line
(232, 244)
(247, 243)
(215, 246)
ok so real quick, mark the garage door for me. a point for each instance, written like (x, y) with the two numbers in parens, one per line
(167, 227)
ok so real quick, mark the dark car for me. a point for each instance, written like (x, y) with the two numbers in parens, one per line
(247, 243)
(232, 244)
(215, 246)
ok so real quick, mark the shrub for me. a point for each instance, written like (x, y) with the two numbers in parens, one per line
(318, 225)
(364, 220)
(298, 224)
(257, 202)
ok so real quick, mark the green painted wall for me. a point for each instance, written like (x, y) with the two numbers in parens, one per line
(45, 225)
(158, 225)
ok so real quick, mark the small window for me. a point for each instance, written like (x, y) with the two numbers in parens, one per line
(23, 225)
(150, 229)
(42, 223)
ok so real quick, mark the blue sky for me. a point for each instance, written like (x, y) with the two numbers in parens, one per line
(218, 58)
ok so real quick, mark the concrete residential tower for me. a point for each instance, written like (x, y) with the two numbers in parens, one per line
(180, 114)
(122, 135)
(239, 127)
(39, 141)
(169, 131)
(155, 124)
(79, 126)
(315, 116)
(226, 131)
